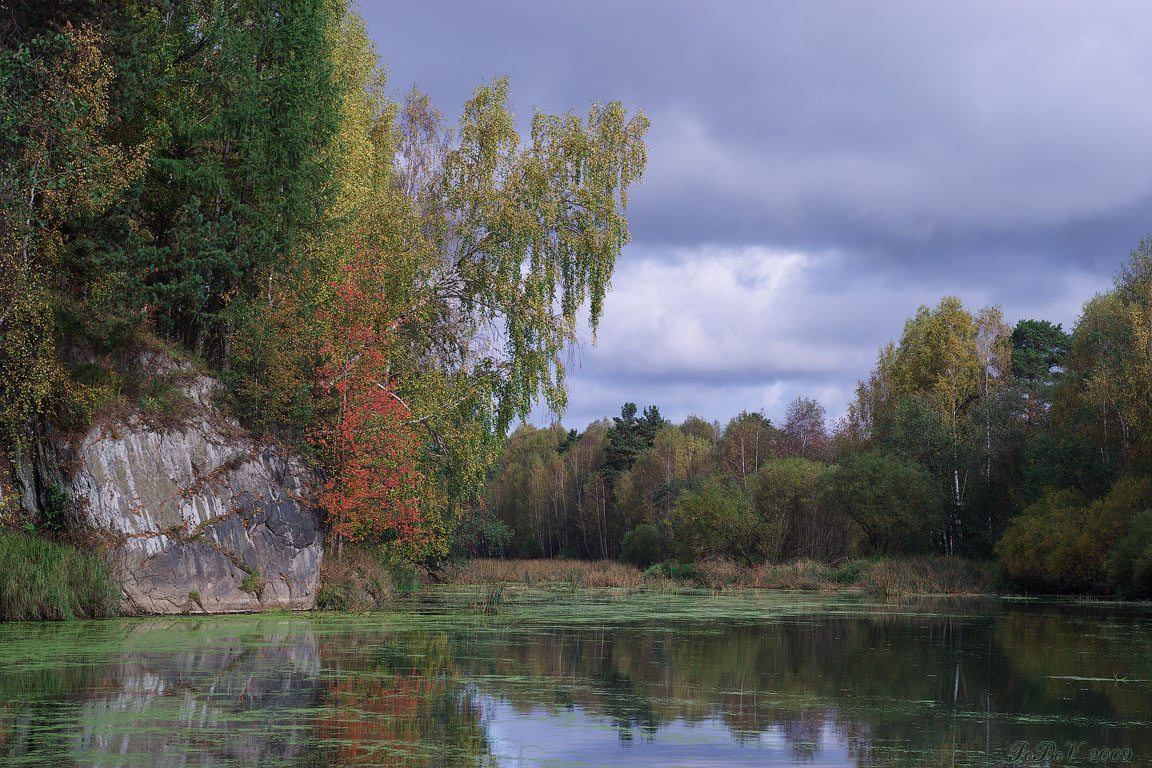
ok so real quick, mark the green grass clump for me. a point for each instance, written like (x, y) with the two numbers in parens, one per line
(253, 583)
(846, 574)
(40, 580)
(492, 598)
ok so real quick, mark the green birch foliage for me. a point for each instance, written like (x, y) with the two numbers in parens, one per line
(532, 233)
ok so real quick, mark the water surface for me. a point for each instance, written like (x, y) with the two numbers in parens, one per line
(590, 678)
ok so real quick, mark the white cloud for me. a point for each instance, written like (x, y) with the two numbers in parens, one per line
(715, 331)
(709, 311)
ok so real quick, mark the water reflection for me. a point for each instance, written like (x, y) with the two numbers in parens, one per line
(740, 679)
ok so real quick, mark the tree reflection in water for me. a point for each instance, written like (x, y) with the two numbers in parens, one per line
(826, 682)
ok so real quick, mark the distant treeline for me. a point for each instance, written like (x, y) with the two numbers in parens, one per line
(969, 437)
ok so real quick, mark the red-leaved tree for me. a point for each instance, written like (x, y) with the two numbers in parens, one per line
(366, 436)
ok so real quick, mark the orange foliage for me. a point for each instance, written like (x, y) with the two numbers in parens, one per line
(368, 443)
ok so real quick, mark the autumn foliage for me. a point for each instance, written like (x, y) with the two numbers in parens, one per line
(368, 442)
(235, 183)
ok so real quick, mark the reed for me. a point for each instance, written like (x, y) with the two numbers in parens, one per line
(575, 574)
(355, 582)
(41, 580)
(927, 575)
(492, 598)
(888, 577)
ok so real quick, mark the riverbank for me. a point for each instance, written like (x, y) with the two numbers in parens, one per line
(41, 580)
(882, 577)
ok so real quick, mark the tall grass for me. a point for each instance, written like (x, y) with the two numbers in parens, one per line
(927, 575)
(492, 598)
(40, 580)
(575, 574)
(891, 577)
(355, 582)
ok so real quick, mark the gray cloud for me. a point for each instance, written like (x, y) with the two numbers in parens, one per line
(896, 152)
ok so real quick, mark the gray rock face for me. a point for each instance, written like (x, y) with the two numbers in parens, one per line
(199, 516)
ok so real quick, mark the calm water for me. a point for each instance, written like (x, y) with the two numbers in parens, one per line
(592, 679)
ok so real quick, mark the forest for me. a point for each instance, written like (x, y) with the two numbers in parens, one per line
(233, 184)
(389, 291)
(1026, 445)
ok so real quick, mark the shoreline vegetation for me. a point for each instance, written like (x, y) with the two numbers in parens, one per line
(359, 580)
(882, 577)
(41, 580)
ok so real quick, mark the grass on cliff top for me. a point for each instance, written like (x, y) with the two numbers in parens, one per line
(44, 581)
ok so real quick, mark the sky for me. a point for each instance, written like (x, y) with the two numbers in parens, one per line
(819, 170)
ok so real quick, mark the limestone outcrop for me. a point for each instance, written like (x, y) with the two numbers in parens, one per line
(197, 515)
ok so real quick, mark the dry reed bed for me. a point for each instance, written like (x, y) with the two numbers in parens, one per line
(355, 582)
(601, 573)
(891, 577)
(895, 576)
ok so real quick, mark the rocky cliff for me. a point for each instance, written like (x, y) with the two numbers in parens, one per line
(196, 514)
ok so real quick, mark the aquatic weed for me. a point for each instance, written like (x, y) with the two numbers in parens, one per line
(492, 598)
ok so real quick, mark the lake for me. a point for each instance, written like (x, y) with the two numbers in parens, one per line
(590, 678)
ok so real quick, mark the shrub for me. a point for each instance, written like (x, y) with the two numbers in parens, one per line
(892, 500)
(1130, 561)
(787, 499)
(356, 581)
(716, 518)
(641, 546)
(1063, 543)
(673, 569)
(405, 577)
(1038, 551)
(846, 573)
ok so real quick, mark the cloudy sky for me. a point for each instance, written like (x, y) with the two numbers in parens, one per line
(818, 170)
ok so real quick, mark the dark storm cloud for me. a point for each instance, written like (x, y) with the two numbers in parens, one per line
(894, 152)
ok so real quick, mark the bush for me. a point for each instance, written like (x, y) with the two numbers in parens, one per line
(846, 573)
(405, 577)
(787, 500)
(716, 518)
(641, 546)
(1039, 549)
(892, 500)
(40, 580)
(483, 534)
(1063, 543)
(1130, 561)
(673, 569)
